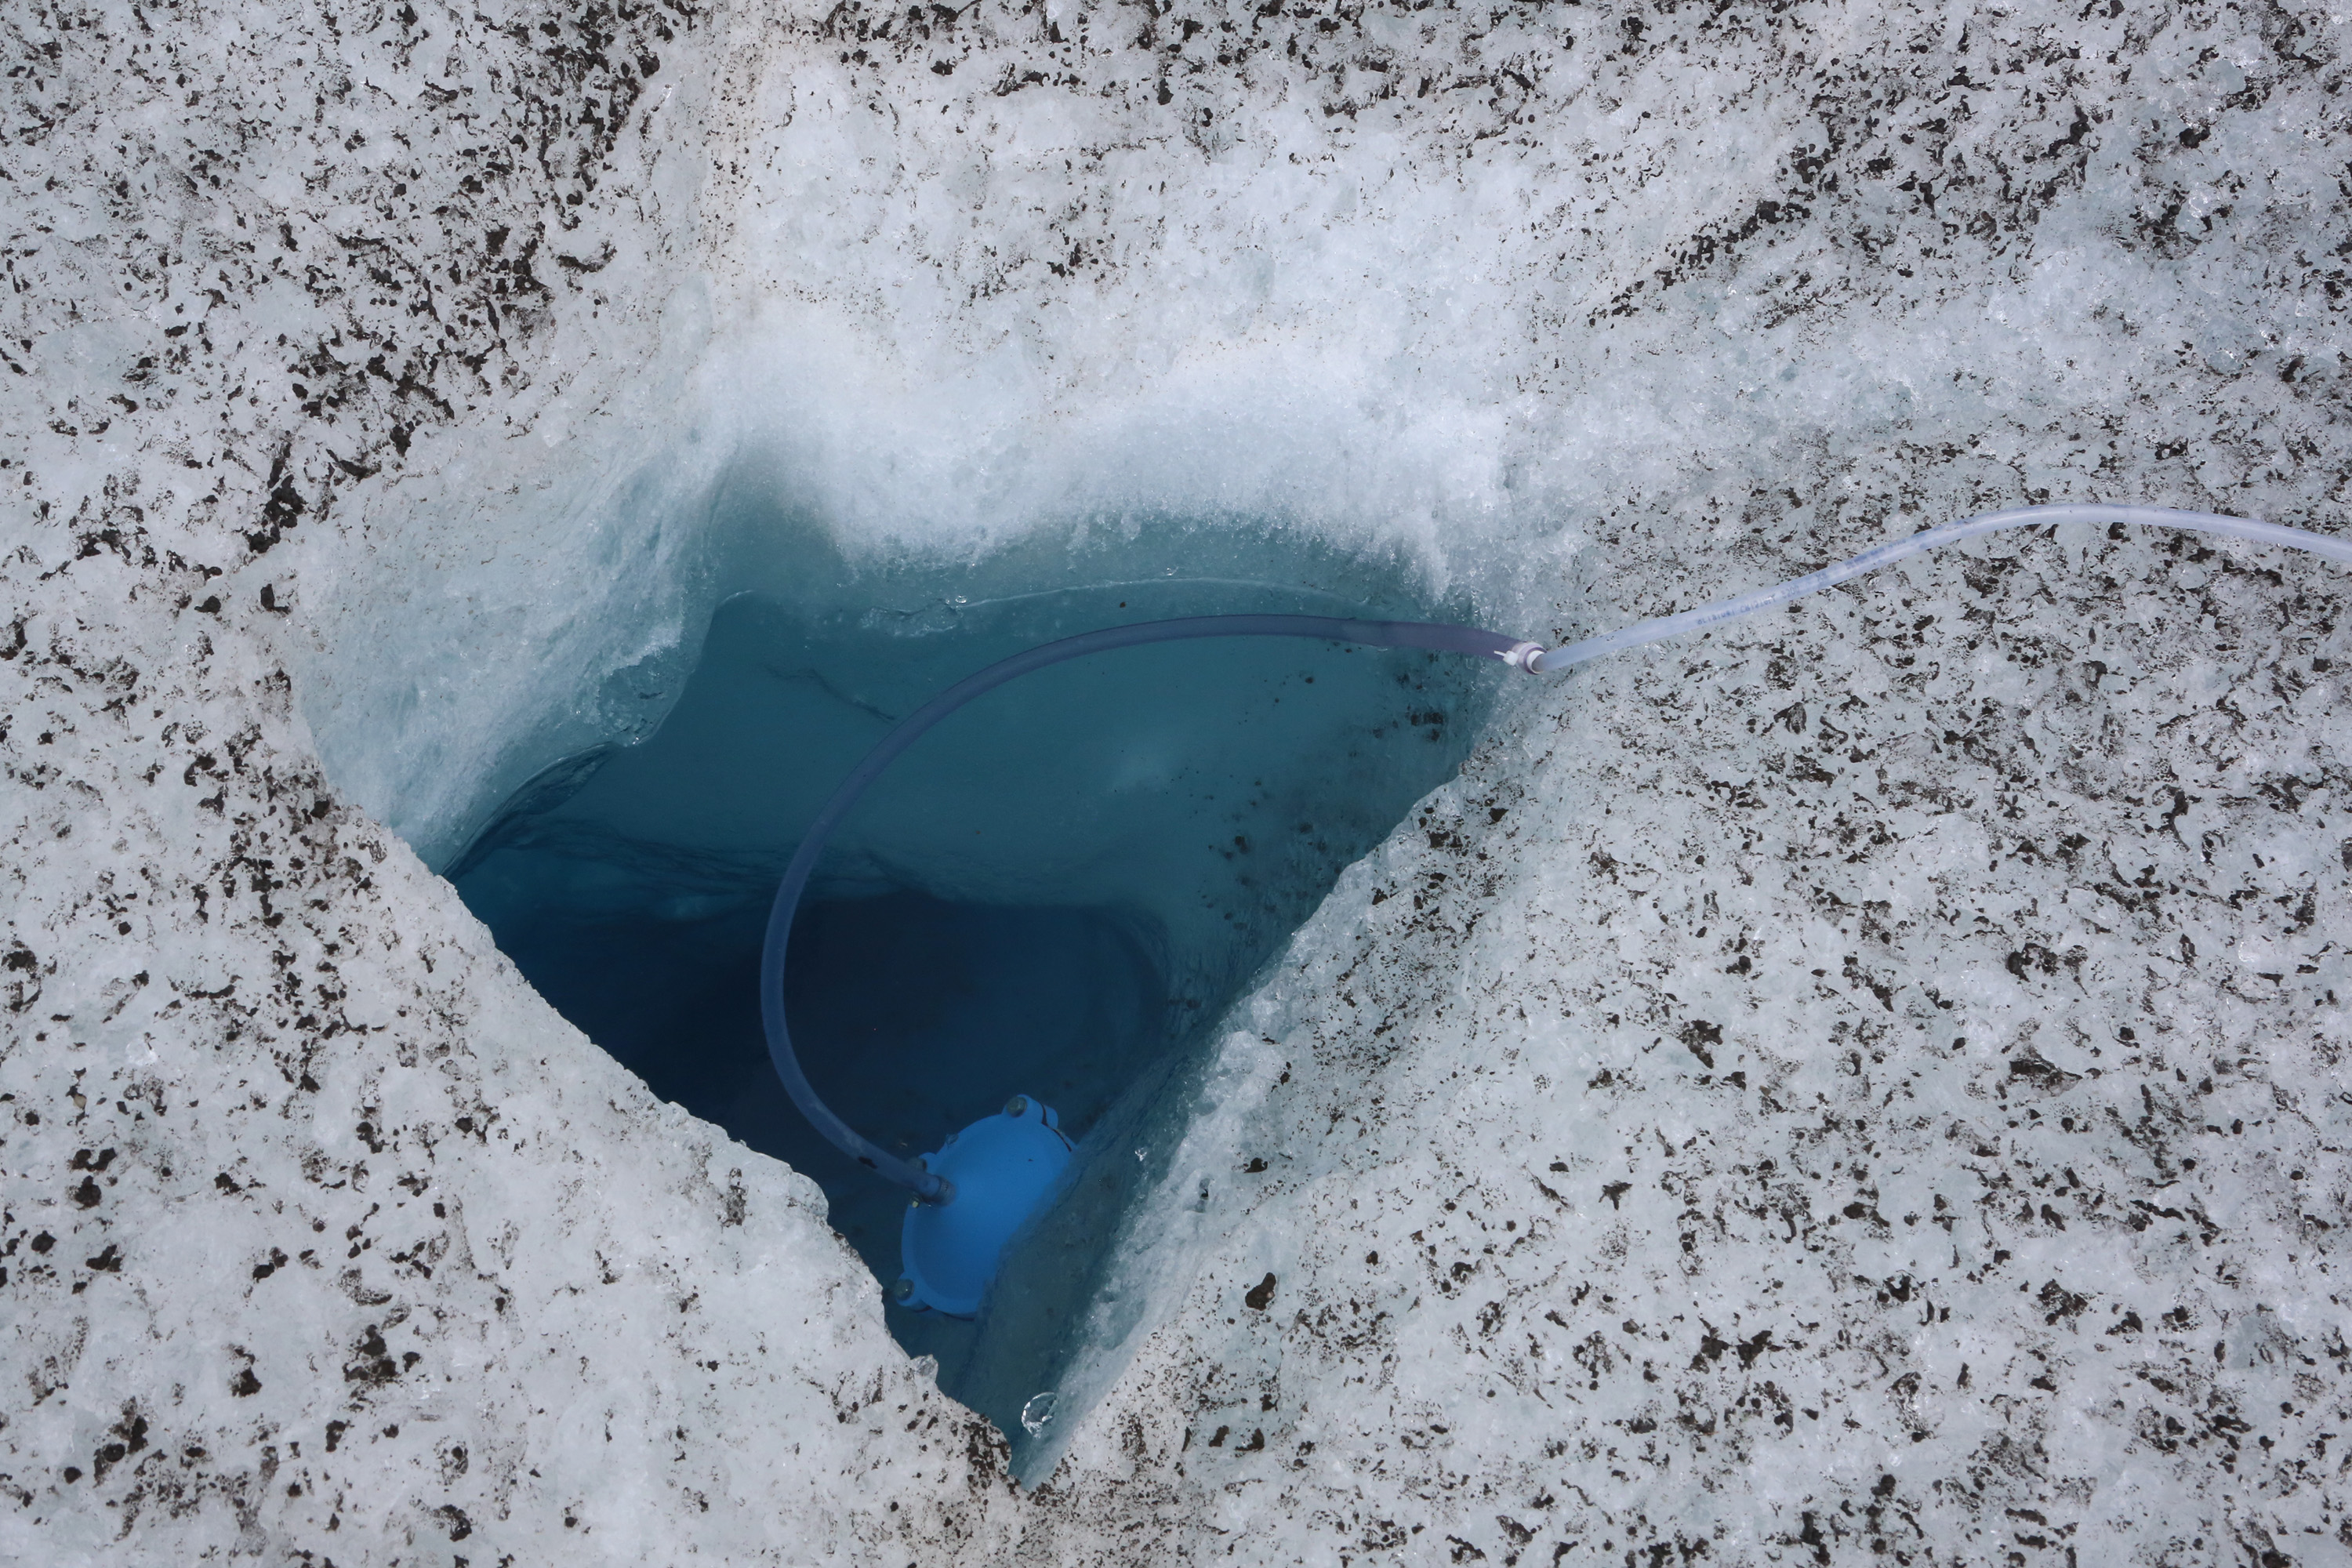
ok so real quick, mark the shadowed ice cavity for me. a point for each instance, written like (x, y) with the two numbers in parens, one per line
(1058, 893)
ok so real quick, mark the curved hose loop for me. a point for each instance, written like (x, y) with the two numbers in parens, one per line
(929, 1186)
(1576, 652)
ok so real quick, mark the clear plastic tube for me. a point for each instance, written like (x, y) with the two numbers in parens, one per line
(1748, 604)
(1471, 640)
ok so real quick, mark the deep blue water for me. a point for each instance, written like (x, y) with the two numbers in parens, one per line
(1056, 893)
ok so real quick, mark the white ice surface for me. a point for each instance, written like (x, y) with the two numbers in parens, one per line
(1637, 1063)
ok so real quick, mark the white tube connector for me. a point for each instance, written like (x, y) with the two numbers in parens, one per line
(2250, 529)
(1522, 656)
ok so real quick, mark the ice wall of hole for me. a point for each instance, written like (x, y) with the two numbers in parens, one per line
(1056, 893)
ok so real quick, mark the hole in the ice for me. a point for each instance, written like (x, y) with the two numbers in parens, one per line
(1056, 893)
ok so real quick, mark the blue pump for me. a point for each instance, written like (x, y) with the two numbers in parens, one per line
(984, 1182)
(998, 1171)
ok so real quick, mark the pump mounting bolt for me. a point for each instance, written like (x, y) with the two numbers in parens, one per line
(1017, 1106)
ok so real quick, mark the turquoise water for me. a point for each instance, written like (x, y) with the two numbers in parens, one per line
(1056, 893)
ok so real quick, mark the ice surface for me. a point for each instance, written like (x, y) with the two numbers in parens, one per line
(360, 378)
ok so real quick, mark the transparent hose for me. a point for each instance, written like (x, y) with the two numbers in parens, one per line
(929, 1186)
(1576, 652)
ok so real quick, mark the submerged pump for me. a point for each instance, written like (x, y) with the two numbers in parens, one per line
(980, 1185)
